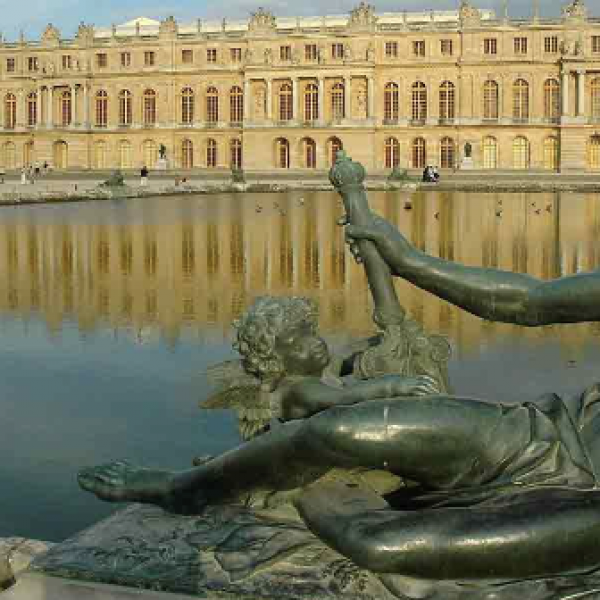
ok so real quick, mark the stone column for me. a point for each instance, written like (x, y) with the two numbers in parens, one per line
(247, 100)
(565, 93)
(294, 98)
(321, 99)
(581, 93)
(75, 119)
(86, 107)
(21, 96)
(50, 111)
(371, 97)
(347, 96)
(269, 99)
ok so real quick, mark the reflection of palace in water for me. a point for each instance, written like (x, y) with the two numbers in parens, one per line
(186, 267)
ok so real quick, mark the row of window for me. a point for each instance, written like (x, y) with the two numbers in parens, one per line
(419, 155)
(310, 109)
(337, 50)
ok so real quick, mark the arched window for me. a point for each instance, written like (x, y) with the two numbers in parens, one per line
(551, 99)
(101, 109)
(187, 154)
(490, 153)
(10, 111)
(521, 153)
(447, 153)
(9, 152)
(337, 101)
(61, 154)
(187, 106)
(285, 102)
(212, 105)
(65, 108)
(594, 153)
(236, 154)
(125, 111)
(335, 145)
(490, 100)
(149, 107)
(309, 152)
(32, 113)
(521, 99)
(28, 153)
(125, 155)
(311, 102)
(419, 101)
(595, 104)
(419, 153)
(391, 106)
(551, 156)
(392, 153)
(100, 155)
(211, 153)
(447, 100)
(150, 153)
(236, 104)
(282, 148)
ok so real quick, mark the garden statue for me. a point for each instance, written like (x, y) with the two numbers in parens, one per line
(162, 152)
(434, 494)
(115, 180)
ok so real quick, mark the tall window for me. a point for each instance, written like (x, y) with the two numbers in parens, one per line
(149, 58)
(282, 148)
(551, 99)
(285, 53)
(236, 104)
(65, 109)
(32, 113)
(125, 155)
(101, 109)
(594, 152)
(595, 91)
(447, 153)
(285, 102)
(60, 155)
(391, 106)
(211, 55)
(419, 153)
(419, 101)
(335, 145)
(100, 155)
(391, 49)
(418, 48)
(10, 155)
(149, 107)
(311, 102)
(337, 101)
(187, 56)
(187, 106)
(392, 153)
(125, 59)
(236, 154)
(10, 111)
(521, 99)
(551, 156)
(212, 105)
(311, 52)
(309, 153)
(211, 153)
(125, 115)
(520, 45)
(551, 44)
(490, 153)
(490, 46)
(187, 154)
(521, 153)
(150, 153)
(447, 104)
(490, 100)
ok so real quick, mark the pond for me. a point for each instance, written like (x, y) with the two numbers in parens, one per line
(111, 311)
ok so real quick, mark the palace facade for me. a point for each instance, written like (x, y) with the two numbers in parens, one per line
(457, 89)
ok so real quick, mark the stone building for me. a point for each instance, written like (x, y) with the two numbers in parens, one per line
(458, 89)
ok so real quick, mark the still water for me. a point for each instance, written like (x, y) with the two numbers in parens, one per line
(111, 311)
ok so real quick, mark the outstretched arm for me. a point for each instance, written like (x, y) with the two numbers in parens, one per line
(487, 293)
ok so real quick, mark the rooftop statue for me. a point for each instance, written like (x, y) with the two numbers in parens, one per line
(481, 498)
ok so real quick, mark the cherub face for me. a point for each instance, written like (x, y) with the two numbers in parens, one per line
(302, 350)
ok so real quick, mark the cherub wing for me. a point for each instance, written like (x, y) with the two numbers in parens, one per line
(239, 391)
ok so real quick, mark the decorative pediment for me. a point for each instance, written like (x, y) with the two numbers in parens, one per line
(262, 21)
(168, 26)
(575, 11)
(362, 17)
(51, 35)
(85, 33)
(469, 15)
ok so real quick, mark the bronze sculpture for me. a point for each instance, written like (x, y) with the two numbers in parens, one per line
(482, 495)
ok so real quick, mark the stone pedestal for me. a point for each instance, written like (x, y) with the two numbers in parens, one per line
(162, 164)
(466, 163)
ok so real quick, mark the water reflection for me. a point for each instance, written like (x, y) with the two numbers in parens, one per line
(190, 266)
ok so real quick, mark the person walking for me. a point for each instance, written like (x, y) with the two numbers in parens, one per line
(144, 176)
(23, 176)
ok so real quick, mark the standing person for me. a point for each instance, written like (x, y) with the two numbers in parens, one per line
(144, 176)
(23, 175)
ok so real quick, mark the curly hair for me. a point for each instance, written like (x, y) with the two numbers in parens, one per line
(258, 328)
